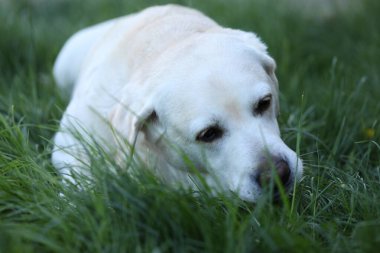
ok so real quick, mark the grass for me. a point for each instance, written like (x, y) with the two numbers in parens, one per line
(328, 69)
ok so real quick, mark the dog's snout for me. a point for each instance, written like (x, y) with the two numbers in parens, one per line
(283, 171)
(268, 170)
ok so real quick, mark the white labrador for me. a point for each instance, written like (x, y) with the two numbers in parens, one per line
(172, 82)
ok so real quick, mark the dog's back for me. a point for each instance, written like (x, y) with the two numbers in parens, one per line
(69, 61)
(125, 30)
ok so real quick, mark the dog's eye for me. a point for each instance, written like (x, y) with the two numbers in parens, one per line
(263, 105)
(210, 134)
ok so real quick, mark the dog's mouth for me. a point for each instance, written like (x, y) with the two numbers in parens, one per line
(274, 185)
(287, 189)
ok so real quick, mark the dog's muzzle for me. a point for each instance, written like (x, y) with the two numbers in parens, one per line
(268, 170)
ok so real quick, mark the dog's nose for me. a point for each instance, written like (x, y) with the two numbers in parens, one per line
(265, 174)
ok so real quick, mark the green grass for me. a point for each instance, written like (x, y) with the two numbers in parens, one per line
(328, 70)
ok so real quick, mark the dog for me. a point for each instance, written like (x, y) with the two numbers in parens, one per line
(172, 83)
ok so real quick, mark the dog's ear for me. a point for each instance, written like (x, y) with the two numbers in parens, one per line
(269, 66)
(128, 121)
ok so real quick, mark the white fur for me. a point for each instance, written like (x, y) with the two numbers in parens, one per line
(174, 63)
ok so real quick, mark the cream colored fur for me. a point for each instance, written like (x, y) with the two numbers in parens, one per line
(156, 79)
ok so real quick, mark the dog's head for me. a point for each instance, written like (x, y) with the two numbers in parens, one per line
(213, 98)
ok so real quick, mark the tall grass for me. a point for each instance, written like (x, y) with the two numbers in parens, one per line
(328, 68)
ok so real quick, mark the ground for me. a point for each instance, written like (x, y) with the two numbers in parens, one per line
(328, 69)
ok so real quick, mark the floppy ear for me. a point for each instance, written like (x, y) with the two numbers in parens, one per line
(267, 62)
(129, 120)
(269, 66)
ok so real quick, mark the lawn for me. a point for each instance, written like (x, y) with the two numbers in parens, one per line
(329, 74)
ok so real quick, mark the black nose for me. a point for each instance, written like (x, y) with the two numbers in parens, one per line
(267, 170)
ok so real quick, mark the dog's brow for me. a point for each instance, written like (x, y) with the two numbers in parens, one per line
(207, 122)
(213, 122)
(269, 95)
(261, 90)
